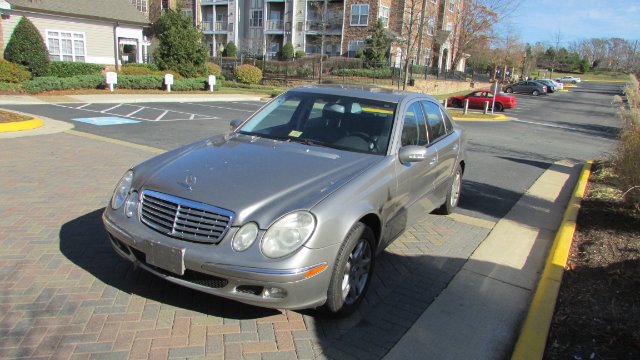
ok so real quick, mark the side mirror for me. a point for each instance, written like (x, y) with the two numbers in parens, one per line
(235, 123)
(412, 153)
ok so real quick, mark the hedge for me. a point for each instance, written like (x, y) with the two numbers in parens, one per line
(9, 87)
(372, 73)
(48, 83)
(65, 69)
(13, 73)
(140, 82)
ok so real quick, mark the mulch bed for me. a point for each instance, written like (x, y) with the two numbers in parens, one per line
(597, 315)
(7, 117)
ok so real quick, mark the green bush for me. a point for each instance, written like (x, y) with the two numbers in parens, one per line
(152, 67)
(230, 50)
(248, 74)
(213, 69)
(48, 83)
(181, 46)
(300, 54)
(286, 53)
(192, 84)
(13, 73)
(69, 69)
(372, 73)
(27, 48)
(137, 70)
(140, 82)
(9, 87)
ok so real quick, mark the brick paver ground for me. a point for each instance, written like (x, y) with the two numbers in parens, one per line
(65, 294)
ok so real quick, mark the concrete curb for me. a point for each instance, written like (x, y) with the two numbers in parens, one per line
(533, 336)
(495, 118)
(30, 124)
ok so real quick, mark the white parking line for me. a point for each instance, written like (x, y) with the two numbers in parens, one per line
(257, 104)
(547, 125)
(192, 116)
(80, 107)
(141, 108)
(221, 107)
(161, 115)
(109, 109)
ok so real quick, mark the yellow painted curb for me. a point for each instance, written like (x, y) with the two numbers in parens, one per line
(563, 90)
(570, 86)
(21, 125)
(495, 118)
(533, 337)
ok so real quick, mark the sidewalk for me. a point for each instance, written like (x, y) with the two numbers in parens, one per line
(125, 98)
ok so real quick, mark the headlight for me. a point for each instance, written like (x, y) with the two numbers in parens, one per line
(244, 237)
(131, 207)
(122, 190)
(288, 234)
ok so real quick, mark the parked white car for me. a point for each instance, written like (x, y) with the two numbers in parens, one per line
(559, 85)
(569, 79)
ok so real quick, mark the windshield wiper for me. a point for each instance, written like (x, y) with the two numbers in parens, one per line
(307, 141)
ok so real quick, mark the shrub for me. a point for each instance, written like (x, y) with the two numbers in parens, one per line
(230, 50)
(9, 87)
(13, 73)
(69, 69)
(628, 155)
(300, 54)
(48, 83)
(27, 48)
(180, 45)
(191, 84)
(141, 82)
(372, 73)
(213, 69)
(137, 70)
(248, 74)
(152, 67)
(286, 53)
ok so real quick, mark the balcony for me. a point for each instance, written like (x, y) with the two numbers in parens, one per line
(315, 27)
(214, 26)
(214, 2)
(274, 26)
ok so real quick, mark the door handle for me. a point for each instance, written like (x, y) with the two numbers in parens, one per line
(455, 147)
(433, 161)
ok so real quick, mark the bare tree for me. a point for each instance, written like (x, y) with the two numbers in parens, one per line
(412, 16)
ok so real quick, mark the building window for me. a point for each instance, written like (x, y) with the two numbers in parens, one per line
(360, 14)
(434, 1)
(452, 5)
(354, 45)
(141, 5)
(256, 18)
(187, 13)
(449, 26)
(384, 15)
(427, 57)
(431, 26)
(66, 46)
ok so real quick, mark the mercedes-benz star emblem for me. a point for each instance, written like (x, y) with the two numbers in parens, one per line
(190, 181)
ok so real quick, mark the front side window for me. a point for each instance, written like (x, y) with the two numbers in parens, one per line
(359, 14)
(437, 127)
(414, 130)
(326, 120)
(66, 46)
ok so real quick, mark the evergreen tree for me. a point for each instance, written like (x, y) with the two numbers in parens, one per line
(287, 52)
(27, 48)
(377, 45)
(181, 48)
(230, 50)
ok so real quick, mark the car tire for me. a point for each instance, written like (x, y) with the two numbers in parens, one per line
(535, 93)
(352, 271)
(498, 107)
(453, 195)
(509, 90)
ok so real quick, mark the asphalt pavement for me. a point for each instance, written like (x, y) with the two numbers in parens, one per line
(455, 286)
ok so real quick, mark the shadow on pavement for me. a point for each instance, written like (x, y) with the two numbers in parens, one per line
(84, 241)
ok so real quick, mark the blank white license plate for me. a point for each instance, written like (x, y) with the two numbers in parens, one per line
(166, 257)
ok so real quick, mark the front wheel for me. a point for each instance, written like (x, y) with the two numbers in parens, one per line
(453, 195)
(509, 90)
(498, 107)
(535, 93)
(352, 271)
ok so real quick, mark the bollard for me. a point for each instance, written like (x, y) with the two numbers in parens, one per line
(111, 79)
(444, 103)
(168, 81)
(466, 106)
(212, 82)
(486, 107)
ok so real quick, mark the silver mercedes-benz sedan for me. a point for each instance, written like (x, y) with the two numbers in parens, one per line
(289, 209)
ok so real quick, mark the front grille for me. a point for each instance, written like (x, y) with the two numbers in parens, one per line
(184, 219)
(195, 277)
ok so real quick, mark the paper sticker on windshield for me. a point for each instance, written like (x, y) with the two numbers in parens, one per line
(295, 133)
(378, 110)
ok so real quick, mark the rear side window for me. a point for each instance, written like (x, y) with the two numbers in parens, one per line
(437, 127)
(414, 130)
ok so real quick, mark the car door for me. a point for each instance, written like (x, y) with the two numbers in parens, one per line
(475, 100)
(414, 195)
(446, 143)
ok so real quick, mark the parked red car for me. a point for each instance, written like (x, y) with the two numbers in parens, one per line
(478, 98)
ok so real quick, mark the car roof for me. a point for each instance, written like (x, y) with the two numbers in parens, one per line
(362, 91)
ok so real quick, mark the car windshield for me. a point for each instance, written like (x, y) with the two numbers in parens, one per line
(347, 123)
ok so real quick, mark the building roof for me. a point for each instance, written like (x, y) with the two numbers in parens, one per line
(107, 10)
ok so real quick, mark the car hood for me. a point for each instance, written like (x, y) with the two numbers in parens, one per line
(258, 179)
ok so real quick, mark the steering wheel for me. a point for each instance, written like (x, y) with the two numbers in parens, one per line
(373, 143)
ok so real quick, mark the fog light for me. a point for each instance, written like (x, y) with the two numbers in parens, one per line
(274, 293)
(131, 206)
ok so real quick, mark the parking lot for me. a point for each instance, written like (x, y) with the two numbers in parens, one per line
(66, 293)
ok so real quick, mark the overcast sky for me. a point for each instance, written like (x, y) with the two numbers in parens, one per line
(540, 20)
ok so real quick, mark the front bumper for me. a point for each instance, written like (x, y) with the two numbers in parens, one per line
(205, 269)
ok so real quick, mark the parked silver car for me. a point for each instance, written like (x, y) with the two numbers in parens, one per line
(289, 209)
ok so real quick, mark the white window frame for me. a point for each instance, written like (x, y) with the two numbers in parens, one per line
(360, 14)
(384, 15)
(431, 26)
(256, 22)
(449, 26)
(452, 5)
(141, 5)
(354, 45)
(72, 37)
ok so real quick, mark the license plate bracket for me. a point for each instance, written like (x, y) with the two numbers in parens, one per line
(166, 257)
